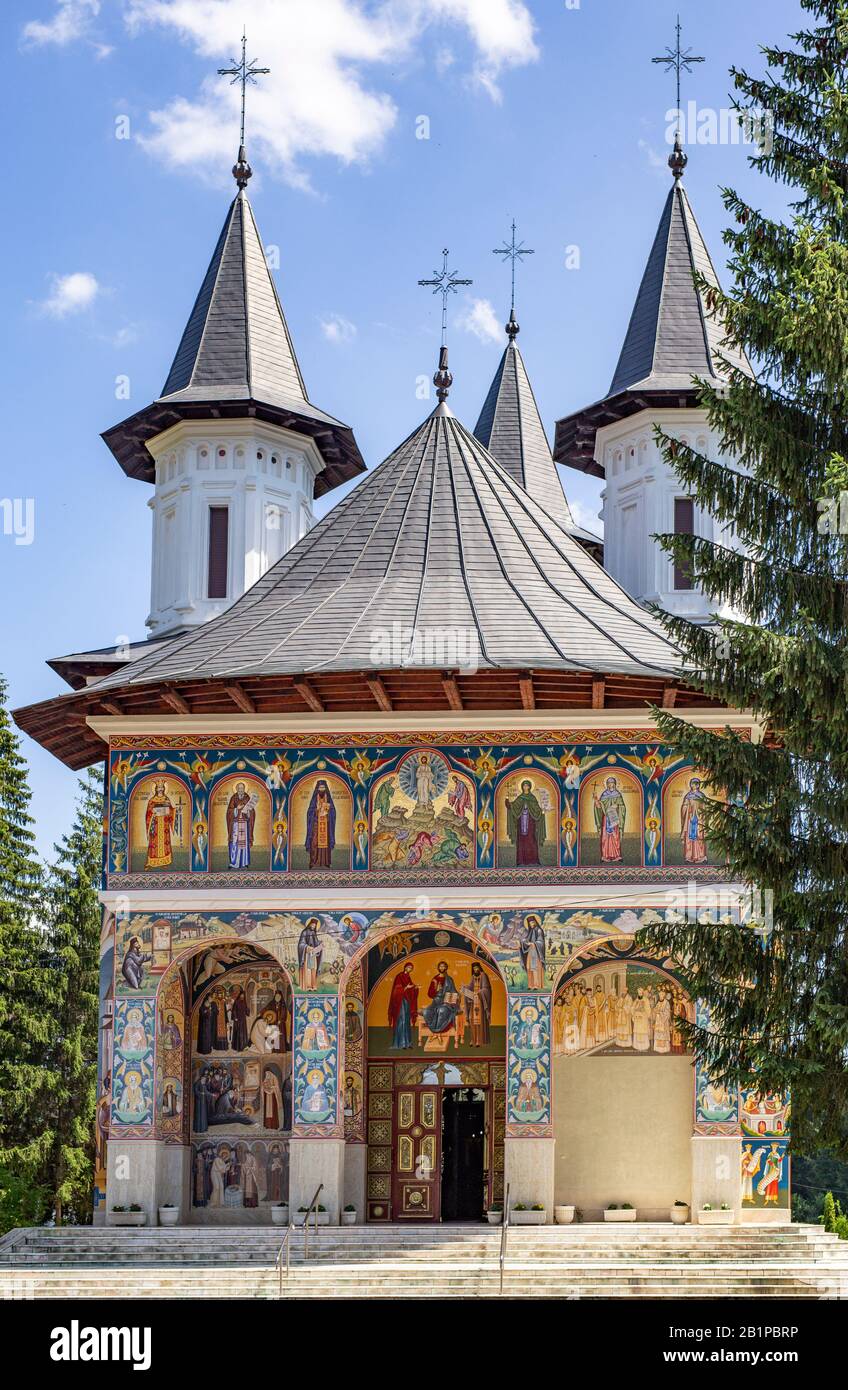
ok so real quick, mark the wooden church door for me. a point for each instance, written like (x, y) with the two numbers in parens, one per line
(416, 1145)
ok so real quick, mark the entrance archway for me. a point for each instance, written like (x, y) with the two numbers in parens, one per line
(623, 1083)
(428, 1010)
(225, 1080)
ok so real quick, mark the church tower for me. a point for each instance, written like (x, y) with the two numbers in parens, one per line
(671, 338)
(234, 448)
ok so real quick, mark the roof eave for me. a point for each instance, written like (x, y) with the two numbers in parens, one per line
(334, 441)
(574, 439)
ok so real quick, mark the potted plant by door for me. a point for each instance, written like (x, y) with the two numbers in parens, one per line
(128, 1216)
(522, 1215)
(563, 1216)
(323, 1216)
(679, 1213)
(614, 1212)
(716, 1216)
(169, 1215)
(280, 1214)
(494, 1214)
(349, 1215)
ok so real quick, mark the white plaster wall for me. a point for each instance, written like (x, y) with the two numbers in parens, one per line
(623, 1130)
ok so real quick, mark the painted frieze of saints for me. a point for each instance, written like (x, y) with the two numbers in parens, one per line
(692, 829)
(241, 820)
(610, 820)
(321, 827)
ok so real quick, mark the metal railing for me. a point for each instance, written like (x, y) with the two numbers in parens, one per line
(504, 1237)
(286, 1244)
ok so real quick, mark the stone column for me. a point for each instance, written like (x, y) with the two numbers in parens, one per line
(529, 1141)
(317, 1148)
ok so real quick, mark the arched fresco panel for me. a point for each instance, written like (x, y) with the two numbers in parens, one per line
(160, 825)
(240, 825)
(320, 812)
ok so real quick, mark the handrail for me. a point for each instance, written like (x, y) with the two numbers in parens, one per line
(504, 1236)
(286, 1243)
(278, 1263)
(312, 1206)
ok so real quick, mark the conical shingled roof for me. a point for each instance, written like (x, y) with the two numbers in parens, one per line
(671, 337)
(440, 536)
(235, 360)
(511, 428)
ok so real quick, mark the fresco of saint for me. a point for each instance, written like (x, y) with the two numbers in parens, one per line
(692, 832)
(403, 1008)
(309, 955)
(526, 825)
(610, 820)
(241, 819)
(532, 948)
(477, 1002)
(321, 827)
(159, 820)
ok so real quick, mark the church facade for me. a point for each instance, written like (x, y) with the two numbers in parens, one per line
(385, 806)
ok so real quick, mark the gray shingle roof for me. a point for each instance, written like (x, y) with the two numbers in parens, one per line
(671, 337)
(511, 428)
(439, 536)
(236, 359)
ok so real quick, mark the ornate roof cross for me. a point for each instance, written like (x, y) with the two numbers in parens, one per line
(680, 60)
(444, 282)
(513, 251)
(243, 73)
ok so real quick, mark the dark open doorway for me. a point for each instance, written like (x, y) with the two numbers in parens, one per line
(463, 1153)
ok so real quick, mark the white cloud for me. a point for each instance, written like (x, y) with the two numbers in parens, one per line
(70, 294)
(656, 159)
(70, 22)
(478, 317)
(586, 517)
(319, 98)
(337, 329)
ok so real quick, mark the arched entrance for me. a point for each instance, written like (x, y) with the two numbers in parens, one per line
(623, 1083)
(424, 1076)
(225, 1080)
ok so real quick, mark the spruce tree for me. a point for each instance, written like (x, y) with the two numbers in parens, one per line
(777, 989)
(27, 981)
(73, 935)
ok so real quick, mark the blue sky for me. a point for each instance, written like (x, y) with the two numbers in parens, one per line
(543, 110)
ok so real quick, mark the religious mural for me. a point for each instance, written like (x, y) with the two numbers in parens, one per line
(233, 1175)
(618, 1008)
(685, 840)
(320, 823)
(765, 1115)
(605, 806)
(316, 1065)
(437, 1002)
(240, 825)
(529, 1064)
(611, 819)
(765, 1174)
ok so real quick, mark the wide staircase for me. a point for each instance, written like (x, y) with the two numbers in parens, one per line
(365, 1262)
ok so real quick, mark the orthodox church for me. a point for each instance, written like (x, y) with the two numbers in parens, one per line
(385, 806)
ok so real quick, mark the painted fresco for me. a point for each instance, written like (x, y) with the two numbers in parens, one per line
(529, 1065)
(515, 811)
(132, 1078)
(423, 814)
(353, 1034)
(240, 825)
(684, 834)
(316, 1066)
(527, 821)
(435, 1002)
(765, 1175)
(160, 810)
(234, 1175)
(716, 1105)
(105, 1040)
(765, 1115)
(620, 1009)
(320, 823)
(611, 819)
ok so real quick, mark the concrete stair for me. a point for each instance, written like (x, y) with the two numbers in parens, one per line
(362, 1262)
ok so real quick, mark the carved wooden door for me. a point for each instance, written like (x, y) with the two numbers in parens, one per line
(416, 1153)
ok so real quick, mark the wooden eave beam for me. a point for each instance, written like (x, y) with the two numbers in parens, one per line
(308, 694)
(528, 691)
(669, 697)
(240, 697)
(599, 690)
(175, 701)
(378, 690)
(453, 695)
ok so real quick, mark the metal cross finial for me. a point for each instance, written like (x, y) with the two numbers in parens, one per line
(679, 59)
(444, 282)
(513, 251)
(243, 72)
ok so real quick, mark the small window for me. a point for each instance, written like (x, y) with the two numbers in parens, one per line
(219, 526)
(684, 525)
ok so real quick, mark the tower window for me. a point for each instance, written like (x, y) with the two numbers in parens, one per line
(684, 525)
(219, 528)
